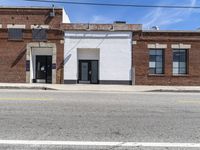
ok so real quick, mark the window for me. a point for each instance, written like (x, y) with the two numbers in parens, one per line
(39, 34)
(15, 34)
(179, 61)
(156, 61)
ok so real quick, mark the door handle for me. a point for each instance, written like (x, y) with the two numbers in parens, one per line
(90, 72)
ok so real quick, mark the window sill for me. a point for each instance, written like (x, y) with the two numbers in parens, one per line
(156, 75)
(16, 40)
(39, 40)
(180, 75)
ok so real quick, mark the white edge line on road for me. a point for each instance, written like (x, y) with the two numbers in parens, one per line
(94, 143)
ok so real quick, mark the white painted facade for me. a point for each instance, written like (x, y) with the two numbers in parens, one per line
(112, 49)
(65, 17)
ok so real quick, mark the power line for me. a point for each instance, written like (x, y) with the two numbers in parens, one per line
(118, 5)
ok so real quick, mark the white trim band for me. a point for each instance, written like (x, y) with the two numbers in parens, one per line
(39, 26)
(98, 34)
(134, 42)
(96, 143)
(157, 46)
(181, 46)
(18, 26)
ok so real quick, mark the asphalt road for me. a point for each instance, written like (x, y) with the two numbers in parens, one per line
(35, 115)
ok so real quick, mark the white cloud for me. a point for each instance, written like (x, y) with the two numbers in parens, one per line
(163, 17)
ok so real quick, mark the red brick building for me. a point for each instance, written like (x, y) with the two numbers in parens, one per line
(29, 39)
(32, 46)
(166, 58)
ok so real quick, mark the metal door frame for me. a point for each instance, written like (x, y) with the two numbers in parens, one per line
(46, 74)
(89, 69)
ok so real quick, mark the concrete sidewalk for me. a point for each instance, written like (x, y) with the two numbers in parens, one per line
(100, 88)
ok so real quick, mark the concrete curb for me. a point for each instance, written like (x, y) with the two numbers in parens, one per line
(28, 88)
(100, 88)
(178, 91)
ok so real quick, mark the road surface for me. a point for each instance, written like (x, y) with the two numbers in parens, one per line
(35, 119)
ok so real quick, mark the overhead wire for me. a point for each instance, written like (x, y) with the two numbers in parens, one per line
(117, 4)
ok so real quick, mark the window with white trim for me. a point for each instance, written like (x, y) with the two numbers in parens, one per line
(156, 61)
(179, 61)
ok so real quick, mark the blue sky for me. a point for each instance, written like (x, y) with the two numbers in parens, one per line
(166, 19)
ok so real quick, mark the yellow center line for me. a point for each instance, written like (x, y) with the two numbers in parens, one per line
(25, 99)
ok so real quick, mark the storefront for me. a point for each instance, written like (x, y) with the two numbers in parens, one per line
(31, 44)
(98, 57)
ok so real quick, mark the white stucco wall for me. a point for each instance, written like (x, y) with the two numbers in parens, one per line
(114, 53)
(65, 17)
(87, 54)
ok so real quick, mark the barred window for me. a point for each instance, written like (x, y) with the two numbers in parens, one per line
(179, 61)
(15, 34)
(39, 34)
(156, 61)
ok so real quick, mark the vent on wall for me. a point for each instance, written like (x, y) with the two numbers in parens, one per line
(52, 14)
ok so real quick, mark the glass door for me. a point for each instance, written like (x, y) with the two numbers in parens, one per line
(84, 71)
(44, 69)
(94, 71)
(88, 71)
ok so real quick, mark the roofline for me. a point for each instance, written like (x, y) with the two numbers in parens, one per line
(171, 31)
(28, 7)
(100, 27)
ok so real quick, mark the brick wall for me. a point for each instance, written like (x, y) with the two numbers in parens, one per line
(13, 56)
(13, 53)
(141, 58)
(30, 17)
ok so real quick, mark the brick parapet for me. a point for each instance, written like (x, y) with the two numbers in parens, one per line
(101, 27)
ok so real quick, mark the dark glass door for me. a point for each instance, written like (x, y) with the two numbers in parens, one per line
(84, 71)
(94, 71)
(88, 71)
(44, 69)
